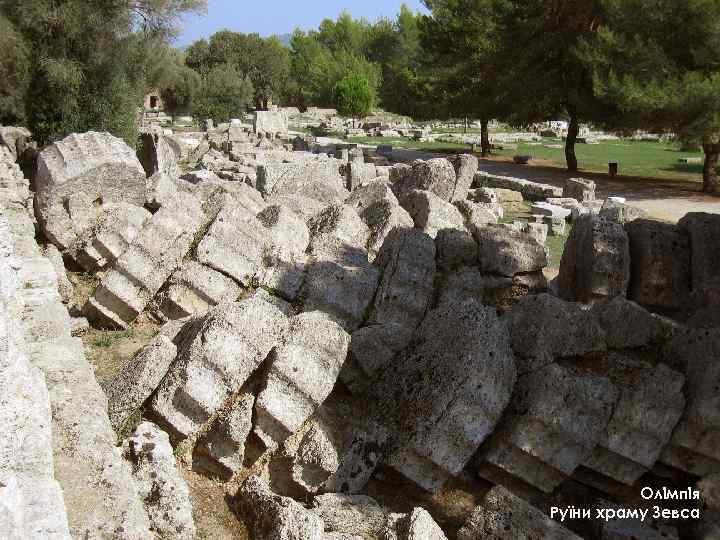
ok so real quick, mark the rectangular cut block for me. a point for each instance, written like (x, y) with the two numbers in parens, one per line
(274, 177)
(531, 191)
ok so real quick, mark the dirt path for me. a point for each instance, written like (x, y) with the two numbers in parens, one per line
(664, 199)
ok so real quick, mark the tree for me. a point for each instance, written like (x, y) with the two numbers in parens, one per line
(265, 61)
(462, 38)
(179, 92)
(354, 97)
(89, 60)
(662, 70)
(224, 94)
(163, 16)
(14, 73)
(544, 74)
(317, 69)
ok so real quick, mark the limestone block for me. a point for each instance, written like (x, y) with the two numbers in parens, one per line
(579, 189)
(507, 252)
(505, 516)
(659, 264)
(544, 328)
(274, 517)
(556, 418)
(429, 396)
(596, 261)
(140, 272)
(98, 165)
(224, 441)
(138, 379)
(161, 486)
(648, 409)
(220, 353)
(302, 373)
(194, 288)
(430, 213)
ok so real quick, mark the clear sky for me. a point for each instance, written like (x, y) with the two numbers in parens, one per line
(268, 17)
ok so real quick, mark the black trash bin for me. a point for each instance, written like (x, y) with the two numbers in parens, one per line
(612, 169)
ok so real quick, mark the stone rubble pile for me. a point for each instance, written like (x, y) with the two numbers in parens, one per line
(327, 320)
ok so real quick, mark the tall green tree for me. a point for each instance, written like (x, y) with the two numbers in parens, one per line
(317, 69)
(462, 37)
(662, 70)
(224, 94)
(179, 91)
(406, 70)
(545, 74)
(353, 96)
(265, 61)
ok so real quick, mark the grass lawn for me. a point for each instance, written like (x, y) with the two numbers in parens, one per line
(635, 158)
(402, 142)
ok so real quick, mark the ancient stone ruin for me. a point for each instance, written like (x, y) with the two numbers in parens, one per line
(349, 344)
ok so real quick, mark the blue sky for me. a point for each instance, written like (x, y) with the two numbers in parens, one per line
(268, 17)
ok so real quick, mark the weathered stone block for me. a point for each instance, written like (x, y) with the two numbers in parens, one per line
(430, 213)
(194, 288)
(434, 175)
(407, 260)
(161, 487)
(100, 166)
(302, 372)
(342, 222)
(138, 379)
(273, 516)
(505, 516)
(506, 252)
(649, 406)
(224, 441)
(695, 444)
(429, 400)
(466, 166)
(556, 418)
(544, 327)
(268, 248)
(277, 178)
(659, 264)
(703, 231)
(596, 261)
(223, 349)
(579, 189)
(140, 272)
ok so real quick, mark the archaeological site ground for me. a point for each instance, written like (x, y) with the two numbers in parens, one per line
(223, 318)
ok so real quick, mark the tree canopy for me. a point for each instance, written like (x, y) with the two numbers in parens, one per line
(225, 93)
(662, 71)
(87, 60)
(353, 95)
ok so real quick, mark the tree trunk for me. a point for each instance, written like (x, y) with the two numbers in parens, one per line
(711, 182)
(484, 138)
(570, 157)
